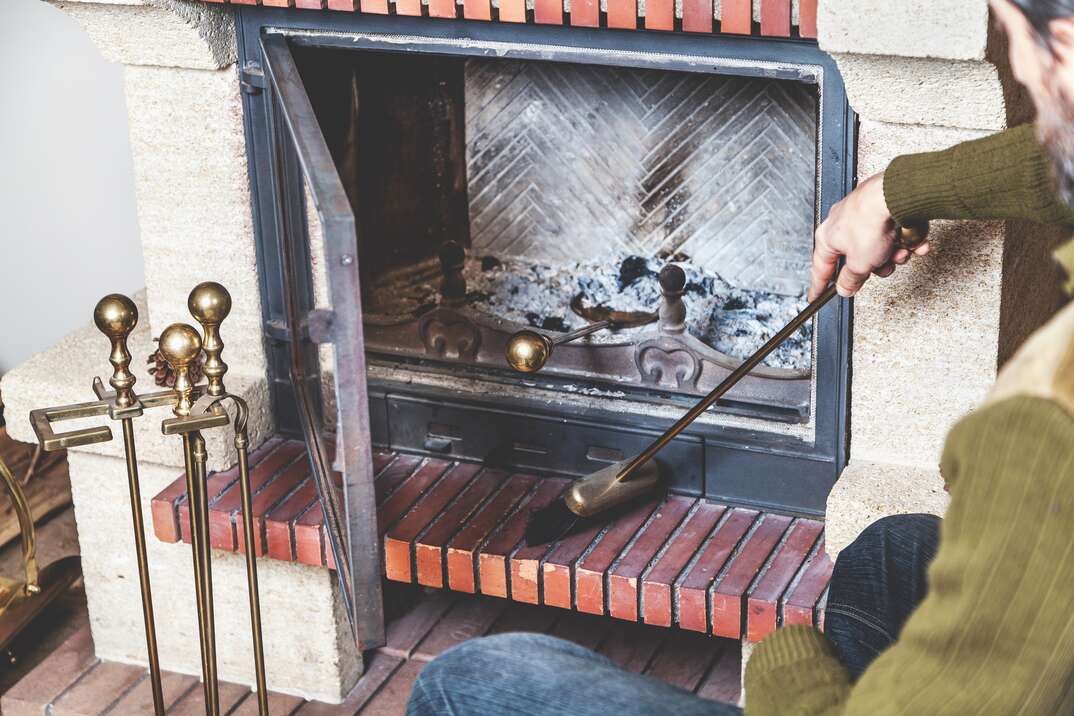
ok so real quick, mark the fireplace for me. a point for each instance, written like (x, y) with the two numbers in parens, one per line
(228, 173)
(425, 190)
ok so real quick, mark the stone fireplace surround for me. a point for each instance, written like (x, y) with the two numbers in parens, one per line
(926, 343)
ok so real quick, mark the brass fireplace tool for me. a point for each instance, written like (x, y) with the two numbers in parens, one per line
(22, 600)
(194, 408)
(622, 482)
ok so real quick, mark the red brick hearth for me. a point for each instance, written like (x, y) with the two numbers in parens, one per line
(697, 15)
(681, 561)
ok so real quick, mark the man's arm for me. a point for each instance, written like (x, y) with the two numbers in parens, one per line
(1003, 176)
(995, 633)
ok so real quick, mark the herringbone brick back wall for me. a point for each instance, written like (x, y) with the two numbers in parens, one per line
(569, 162)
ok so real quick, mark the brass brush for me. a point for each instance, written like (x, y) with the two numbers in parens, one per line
(623, 482)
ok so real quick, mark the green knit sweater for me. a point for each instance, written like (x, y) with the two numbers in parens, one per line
(995, 635)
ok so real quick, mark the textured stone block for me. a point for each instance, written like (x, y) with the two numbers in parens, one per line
(193, 197)
(946, 29)
(313, 656)
(63, 374)
(908, 90)
(867, 491)
(926, 340)
(166, 33)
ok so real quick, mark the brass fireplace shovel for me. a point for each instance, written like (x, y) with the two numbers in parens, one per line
(22, 600)
(623, 482)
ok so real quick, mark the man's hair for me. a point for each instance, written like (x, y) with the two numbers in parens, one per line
(1040, 13)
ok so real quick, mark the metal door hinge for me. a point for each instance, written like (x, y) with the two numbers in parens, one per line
(252, 78)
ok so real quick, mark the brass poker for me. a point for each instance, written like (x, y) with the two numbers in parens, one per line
(210, 303)
(180, 345)
(116, 316)
(624, 481)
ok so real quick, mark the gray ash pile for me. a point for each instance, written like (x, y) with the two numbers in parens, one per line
(732, 320)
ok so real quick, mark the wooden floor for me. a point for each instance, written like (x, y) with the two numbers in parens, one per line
(49, 495)
(72, 682)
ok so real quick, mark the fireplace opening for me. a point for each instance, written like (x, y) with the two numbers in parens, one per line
(424, 197)
(495, 195)
(424, 190)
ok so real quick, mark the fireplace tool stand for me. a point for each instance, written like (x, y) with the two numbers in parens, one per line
(194, 409)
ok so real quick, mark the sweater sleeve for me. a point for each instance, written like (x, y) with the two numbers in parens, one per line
(1002, 176)
(795, 670)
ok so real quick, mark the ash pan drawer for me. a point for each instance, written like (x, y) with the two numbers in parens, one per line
(537, 442)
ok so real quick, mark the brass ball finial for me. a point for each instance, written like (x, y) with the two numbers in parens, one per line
(180, 344)
(209, 303)
(528, 351)
(115, 315)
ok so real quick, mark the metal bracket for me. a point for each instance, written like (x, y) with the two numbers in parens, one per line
(319, 324)
(252, 78)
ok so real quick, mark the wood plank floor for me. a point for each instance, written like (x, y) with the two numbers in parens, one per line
(47, 492)
(72, 682)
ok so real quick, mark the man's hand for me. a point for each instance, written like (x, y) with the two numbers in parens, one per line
(859, 227)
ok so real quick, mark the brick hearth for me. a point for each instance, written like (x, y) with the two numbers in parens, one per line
(693, 563)
(776, 18)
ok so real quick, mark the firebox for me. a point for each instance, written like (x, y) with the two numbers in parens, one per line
(424, 190)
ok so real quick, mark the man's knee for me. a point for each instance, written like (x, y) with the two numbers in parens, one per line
(903, 532)
(497, 654)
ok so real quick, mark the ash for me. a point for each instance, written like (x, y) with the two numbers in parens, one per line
(732, 320)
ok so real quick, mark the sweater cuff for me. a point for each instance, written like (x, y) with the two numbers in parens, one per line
(787, 646)
(917, 187)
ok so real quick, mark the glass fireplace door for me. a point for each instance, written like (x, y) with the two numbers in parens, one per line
(324, 330)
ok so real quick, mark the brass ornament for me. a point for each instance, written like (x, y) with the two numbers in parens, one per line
(162, 373)
(210, 303)
(116, 316)
(180, 344)
(528, 351)
(22, 600)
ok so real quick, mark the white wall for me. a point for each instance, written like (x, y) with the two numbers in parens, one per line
(68, 229)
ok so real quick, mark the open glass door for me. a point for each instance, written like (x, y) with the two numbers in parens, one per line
(315, 222)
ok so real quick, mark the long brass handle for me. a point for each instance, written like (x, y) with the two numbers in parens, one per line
(907, 237)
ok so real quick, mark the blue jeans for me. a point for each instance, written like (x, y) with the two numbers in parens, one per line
(877, 582)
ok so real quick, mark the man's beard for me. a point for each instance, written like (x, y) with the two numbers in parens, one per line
(1055, 130)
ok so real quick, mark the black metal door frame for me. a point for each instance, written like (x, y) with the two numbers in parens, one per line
(284, 143)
